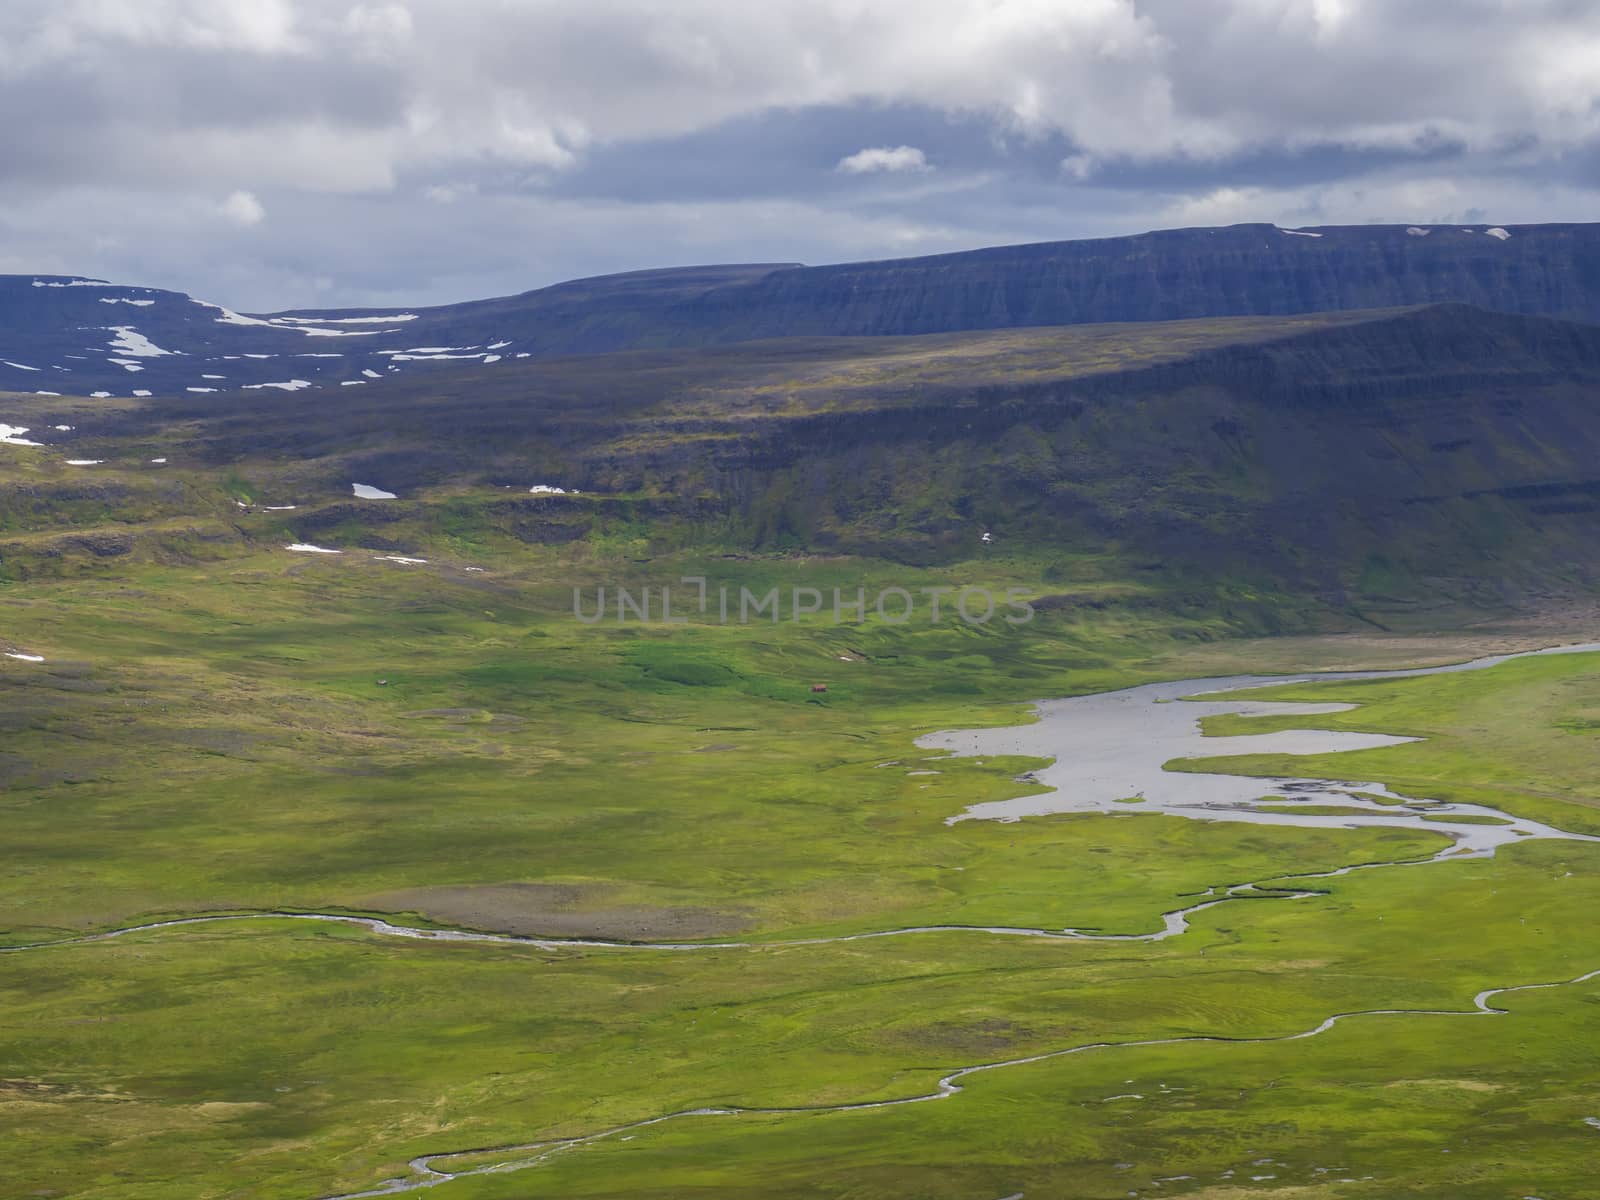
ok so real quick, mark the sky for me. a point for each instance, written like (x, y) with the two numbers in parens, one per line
(271, 154)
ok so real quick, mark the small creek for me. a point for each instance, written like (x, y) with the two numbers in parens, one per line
(1106, 748)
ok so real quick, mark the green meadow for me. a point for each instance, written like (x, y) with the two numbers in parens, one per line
(261, 730)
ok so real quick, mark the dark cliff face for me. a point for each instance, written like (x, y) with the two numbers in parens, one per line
(1550, 270)
(1241, 270)
(67, 331)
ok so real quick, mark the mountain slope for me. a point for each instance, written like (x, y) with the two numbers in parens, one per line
(80, 336)
(1388, 457)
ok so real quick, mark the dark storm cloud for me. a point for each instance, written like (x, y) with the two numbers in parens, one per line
(788, 152)
(779, 152)
(316, 151)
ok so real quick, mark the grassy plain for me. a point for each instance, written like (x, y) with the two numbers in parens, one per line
(270, 730)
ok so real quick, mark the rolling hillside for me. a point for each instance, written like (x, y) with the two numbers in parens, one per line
(1390, 456)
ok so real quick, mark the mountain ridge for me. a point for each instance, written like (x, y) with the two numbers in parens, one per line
(75, 336)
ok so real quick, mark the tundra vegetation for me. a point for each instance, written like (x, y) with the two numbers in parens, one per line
(223, 727)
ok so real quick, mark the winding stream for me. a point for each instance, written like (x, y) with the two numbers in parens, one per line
(1106, 748)
(429, 1170)
(1172, 924)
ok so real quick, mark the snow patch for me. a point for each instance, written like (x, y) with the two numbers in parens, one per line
(292, 385)
(213, 377)
(159, 462)
(365, 491)
(380, 320)
(140, 392)
(124, 300)
(1498, 233)
(370, 373)
(100, 395)
(11, 435)
(229, 317)
(85, 462)
(308, 548)
(71, 283)
(21, 657)
(199, 389)
(131, 342)
(433, 353)
(397, 558)
(63, 428)
(1417, 231)
(19, 366)
(47, 393)
(499, 345)
(545, 489)
(490, 358)
(1300, 233)
(352, 383)
(311, 331)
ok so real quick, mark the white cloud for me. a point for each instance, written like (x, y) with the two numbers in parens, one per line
(365, 92)
(242, 208)
(382, 25)
(883, 158)
(1424, 201)
(351, 115)
(1078, 166)
(449, 193)
(251, 25)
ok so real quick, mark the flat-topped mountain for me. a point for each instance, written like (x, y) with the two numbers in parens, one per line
(78, 336)
(1241, 270)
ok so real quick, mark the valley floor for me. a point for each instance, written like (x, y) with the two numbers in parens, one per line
(440, 750)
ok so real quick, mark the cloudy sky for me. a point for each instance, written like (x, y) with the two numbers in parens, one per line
(275, 153)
